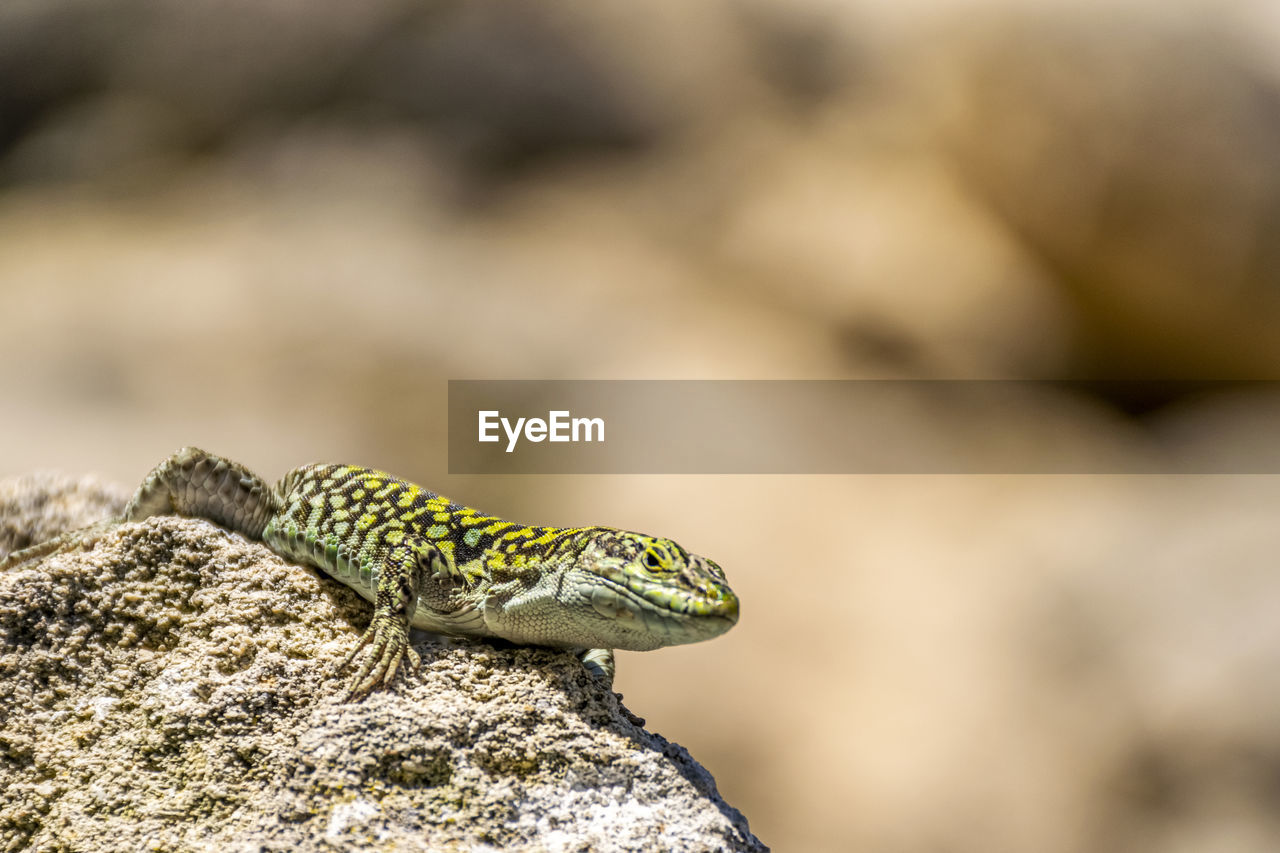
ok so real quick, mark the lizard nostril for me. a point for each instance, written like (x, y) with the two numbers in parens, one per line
(729, 606)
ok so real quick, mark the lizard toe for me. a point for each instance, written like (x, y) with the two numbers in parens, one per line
(390, 644)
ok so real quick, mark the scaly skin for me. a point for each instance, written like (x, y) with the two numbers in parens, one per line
(429, 563)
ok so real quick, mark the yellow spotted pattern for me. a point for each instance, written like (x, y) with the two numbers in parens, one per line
(351, 520)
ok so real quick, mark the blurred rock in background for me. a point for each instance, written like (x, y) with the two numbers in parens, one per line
(1138, 161)
(276, 230)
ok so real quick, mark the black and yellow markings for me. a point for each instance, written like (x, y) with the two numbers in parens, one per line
(657, 558)
(471, 518)
(412, 515)
(547, 535)
(361, 508)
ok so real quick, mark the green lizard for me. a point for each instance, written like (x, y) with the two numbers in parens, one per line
(429, 563)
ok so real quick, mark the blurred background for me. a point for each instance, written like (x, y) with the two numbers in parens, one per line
(275, 230)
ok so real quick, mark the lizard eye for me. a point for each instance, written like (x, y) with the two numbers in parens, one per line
(653, 561)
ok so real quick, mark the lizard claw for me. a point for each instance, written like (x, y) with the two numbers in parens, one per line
(390, 641)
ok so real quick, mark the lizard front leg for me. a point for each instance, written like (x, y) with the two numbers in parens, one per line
(599, 662)
(400, 578)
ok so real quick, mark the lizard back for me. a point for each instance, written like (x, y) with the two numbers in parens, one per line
(345, 520)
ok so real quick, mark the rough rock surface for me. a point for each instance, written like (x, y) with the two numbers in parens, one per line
(171, 688)
(40, 506)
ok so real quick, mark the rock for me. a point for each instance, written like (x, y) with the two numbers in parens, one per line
(1151, 200)
(173, 686)
(40, 506)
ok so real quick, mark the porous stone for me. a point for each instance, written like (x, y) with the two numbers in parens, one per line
(172, 687)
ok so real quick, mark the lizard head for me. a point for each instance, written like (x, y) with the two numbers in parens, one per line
(641, 592)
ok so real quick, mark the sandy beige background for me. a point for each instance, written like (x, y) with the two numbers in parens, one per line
(276, 232)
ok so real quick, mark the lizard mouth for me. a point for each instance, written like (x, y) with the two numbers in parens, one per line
(670, 614)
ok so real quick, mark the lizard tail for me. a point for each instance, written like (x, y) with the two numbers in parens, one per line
(73, 539)
(196, 483)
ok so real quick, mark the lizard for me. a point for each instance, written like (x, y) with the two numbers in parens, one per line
(426, 562)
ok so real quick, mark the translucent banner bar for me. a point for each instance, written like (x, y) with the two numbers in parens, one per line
(862, 427)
